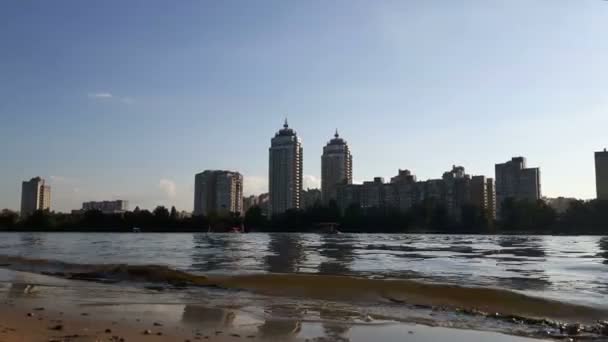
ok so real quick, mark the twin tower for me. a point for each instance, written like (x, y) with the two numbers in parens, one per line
(286, 164)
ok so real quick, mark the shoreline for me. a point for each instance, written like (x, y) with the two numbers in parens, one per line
(195, 231)
(28, 322)
(41, 308)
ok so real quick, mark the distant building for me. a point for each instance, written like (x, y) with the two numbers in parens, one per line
(560, 204)
(107, 207)
(35, 195)
(348, 195)
(483, 195)
(407, 190)
(285, 171)
(372, 193)
(515, 180)
(311, 197)
(457, 187)
(249, 202)
(453, 191)
(601, 174)
(336, 167)
(264, 203)
(218, 191)
(491, 193)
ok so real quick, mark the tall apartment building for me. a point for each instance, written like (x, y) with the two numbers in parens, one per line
(218, 191)
(483, 195)
(457, 187)
(515, 180)
(35, 195)
(107, 207)
(336, 167)
(406, 189)
(285, 171)
(491, 193)
(601, 174)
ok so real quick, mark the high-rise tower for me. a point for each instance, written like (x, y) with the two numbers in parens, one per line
(336, 167)
(285, 170)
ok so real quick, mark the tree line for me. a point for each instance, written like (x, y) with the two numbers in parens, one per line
(533, 217)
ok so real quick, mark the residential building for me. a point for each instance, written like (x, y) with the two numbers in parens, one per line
(249, 202)
(457, 187)
(311, 198)
(479, 191)
(336, 167)
(347, 195)
(601, 174)
(371, 193)
(107, 207)
(218, 191)
(264, 203)
(285, 171)
(515, 180)
(35, 195)
(406, 189)
(560, 204)
(491, 193)
(483, 195)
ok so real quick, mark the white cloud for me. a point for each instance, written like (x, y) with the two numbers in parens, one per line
(168, 187)
(311, 182)
(254, 185)
(100, 95)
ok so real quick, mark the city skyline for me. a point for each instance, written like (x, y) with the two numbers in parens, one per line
(131, 109)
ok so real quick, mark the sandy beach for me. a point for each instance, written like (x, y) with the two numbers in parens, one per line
(25, 323)
(36, 308)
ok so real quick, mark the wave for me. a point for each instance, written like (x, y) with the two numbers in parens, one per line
(491, 302)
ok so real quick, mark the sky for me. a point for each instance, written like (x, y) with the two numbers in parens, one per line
(129, 99)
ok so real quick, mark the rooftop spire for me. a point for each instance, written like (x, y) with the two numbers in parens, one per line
(285, 124)
(336, 135)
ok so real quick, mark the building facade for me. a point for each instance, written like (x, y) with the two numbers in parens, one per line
(35, 195)
(249, 202)
(336, 167)
(218, 191)
(311, 198)
(515, 180)
(453, 191)
(601, 174)
(483, 195)
(107, 207)
(285, 171)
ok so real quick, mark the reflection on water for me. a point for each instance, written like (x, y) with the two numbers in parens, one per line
(603, 245)
(281, 329)
(287, 253)
(339, 254)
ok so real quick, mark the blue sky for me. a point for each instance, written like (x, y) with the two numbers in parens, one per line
(129, 99)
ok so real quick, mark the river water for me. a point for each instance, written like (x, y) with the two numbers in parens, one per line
(301, 268)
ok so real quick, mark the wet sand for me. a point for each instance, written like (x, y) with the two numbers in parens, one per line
(36, 307)
(25, 324)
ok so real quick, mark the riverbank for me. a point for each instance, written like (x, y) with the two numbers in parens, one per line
(36, 307)
(25, 321)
